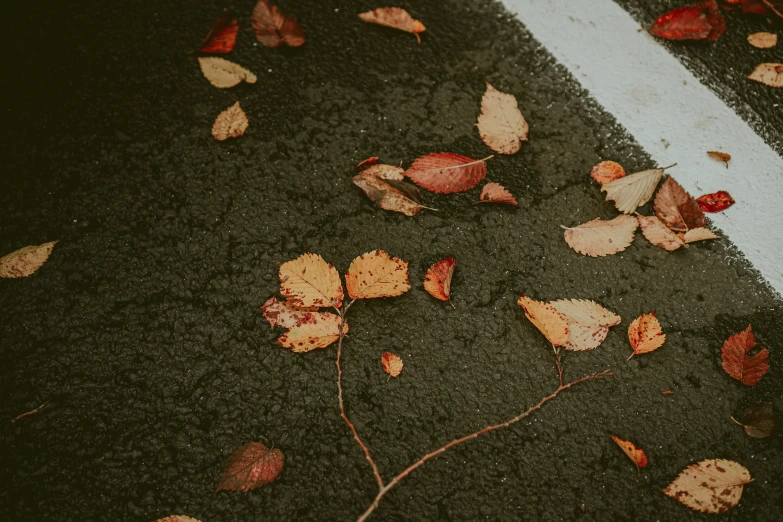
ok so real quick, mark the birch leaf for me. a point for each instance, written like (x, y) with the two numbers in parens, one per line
(377, 274)
(392, 364)
(547, 319)
(763, 40)
(446, 173)
(602, 238)
(384, 171)
(222, 37)
(677, 209)
(588, 323)
(770, 74)
(273, 28)
(437, 280)
(319, 331)
(310, 281)
(501, 125)
(607, 171)
(231, 123)
(699, 234)
(224, 74)
(645, 334)
(736, 361)
(25, 261)
(631, 192)
(395, 18)
(632, 451)
(758, 420)
(390, 194)
(715, 202)
(250, 467)
(658, 234)
(496, 193)
(710, 486)
(285, 314)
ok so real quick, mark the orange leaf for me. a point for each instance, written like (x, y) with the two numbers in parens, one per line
(250, 467)
(395, 18)
(274, 29)
(721, 156)
(501, 125)
(377, 274)
(446, 173)
(547, 319)
(231, 123)
(770, 74)
(588, 322)
(496, 193)
(645, 334)
(25, 261)
(310, 281)
(747, 369)
(677, 209)
(711, 486)
(607, 171)
(285, 314)
(763, 40)
(392, 364)
(657, 233)
(634, 453)
(177, 518)
(437, 281)
(602, 238)
(319, 331)
(222, 37)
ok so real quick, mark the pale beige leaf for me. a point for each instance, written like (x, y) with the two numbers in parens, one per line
(548, 320)
(602, 238)
(699, 234)
(323, 330)
(630, 192)
(588, 322)
(501, 125)
(392, 364)
(497, 193)
(769, 74)
(310, 281)
(223, 73)
(285, 314)
(710, 486)
(645, 334)
(763, 40)
(390, 194)
(395, 18)
(658, 234)
(231, 123)
(25, 261)
(377, 274)
(385, 172)
(178, 518)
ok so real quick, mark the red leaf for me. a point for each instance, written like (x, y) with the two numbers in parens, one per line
(677, 209)
(273, 29)
(748, 369)
(372, 160)
(222, 37)
(699, 21)
(762, 7)
(634, 452)
(446, 173)
(437, 282)
(250, 467)
(715, 202)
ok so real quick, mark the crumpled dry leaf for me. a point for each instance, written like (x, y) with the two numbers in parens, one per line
(392, 364)
(222, 73)
(446, 173)
(770, 74)
(377, 274)
(25, 261)
(715, 202)
(319, 331)
(273, 28)
(710, 486)
(310, 281)
(496, 193)
(437, 281)
(501, 125)
(547, 319)
(747, 369)
(389, 194)
(222, 37)
(607, 171)
(677, 209)
(177, 518)
(698, 21)
(635, 453)
(588, 322)
(602, 238)
(285, 314)
(699, 234)
(231, 123)
(657, 233)
(383, 171)
(630, 192)
(250, 467)
(720, 156)
(758, 420)
(395, 18)
(645, 334)
(763, 40)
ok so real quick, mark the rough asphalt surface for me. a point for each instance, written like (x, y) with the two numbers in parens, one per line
(143, 329)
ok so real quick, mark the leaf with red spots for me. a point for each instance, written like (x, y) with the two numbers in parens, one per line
(396, 18)
(222, 37)
(496, 193)
(715, 202)
(598, 238)
(658, 234)
(588, 323)
(607, 171)
(392, 364)
(677, 209)
(310, 281)
(770, 74)
(547, 319)
(316, 330)
(25, 261)
(698, 21)
(250, 467)
(437, 281)
(758, 420)
(747, 369)
(377, 274)
(710, 486)
(273, 28)
(446, 173)
(285, 314)
(635, 453)
(645, 334)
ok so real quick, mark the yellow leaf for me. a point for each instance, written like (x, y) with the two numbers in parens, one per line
(710, 486)
(25, 261)
(231, 123)
(602, 238)
(547, 319)
(588, 323)
(323, 330)
(310, 281)
(376, 274)
(501, 125)
(222, 73)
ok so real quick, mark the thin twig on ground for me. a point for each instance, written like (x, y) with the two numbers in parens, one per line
(31, 412)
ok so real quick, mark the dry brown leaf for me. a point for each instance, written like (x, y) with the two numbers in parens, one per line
(321, 330)
(437, 280)
(231, 123)
(602, 238)
(377, 274)
(725, 157)
(758, 420)
(250, 467)
(390, 194)
(645, 334)
(632, 451)
(224, 74)
(392, 364)
(588, 322)
(547, 319)
(770, 74)
(763, 40)
(285, 314)
(630, 192)
(273, 28)
(607, 171)
(383, 171)
(395, 18)
(178, 518)
(25, 261)
(677, 209)
(710, 486)
(310, 281)
(501, 125)
(699, 234)
(738, 363)
(496, 193)
(657, 233)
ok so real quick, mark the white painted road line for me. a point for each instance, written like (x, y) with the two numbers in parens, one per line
(656, 98)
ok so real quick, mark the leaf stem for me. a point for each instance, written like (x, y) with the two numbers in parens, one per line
(670, 166)
(31, 412)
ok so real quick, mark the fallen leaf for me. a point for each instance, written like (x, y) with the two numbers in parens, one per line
(547, 319)
(221, 37)
(274, 29)
(392, 364)
(285, 314)
(588, 323)
(645, 334)
(395, 18)
(437, 281)
(501, 125)
(657, 233)
(178, 518)
(310, 281)
(319, 331)
(231, 123)
(722, 156)
(607, 171)
(715, 202)
(763, 7)
(25, 261)
(602, 238)
(758, 420)
(636, 454)
(377, 274)
(710, 486)
(747, 369)
(496, 193)
(630, 192)
(224, 74)
(667, 392)
(384, 171)
(770, 74)
(372, 160)
(677, 209)
(698, 21)
(390, 194)
(250, 467)
(699, 234)
(446, 173)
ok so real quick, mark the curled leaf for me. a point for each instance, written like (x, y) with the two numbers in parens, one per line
(588, 323)
(501, 125)
(630, 192)
(372, 160)
(319, 331)
(222, 37)
(496, 193)
(758, 420)
(437, 281)
(377, 274)
(721, 156)
(25, 261)
(274, 29)
(770, 74)
(699, 234)
(384, 171)
(677, 209)
(710, 486)
(602, 238)
(747, 369)
(635, 453)
(310, 281)
(715, 202)
(224, 74)
(698, 21)
(250, 467)
(231, 123)
(396, 18)
(657, 233)
(547, 319)
(607, 171)
(390, 194)
(392, 364)
(285, 314)
(446, 173)
(763, 40)
(645, 334)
